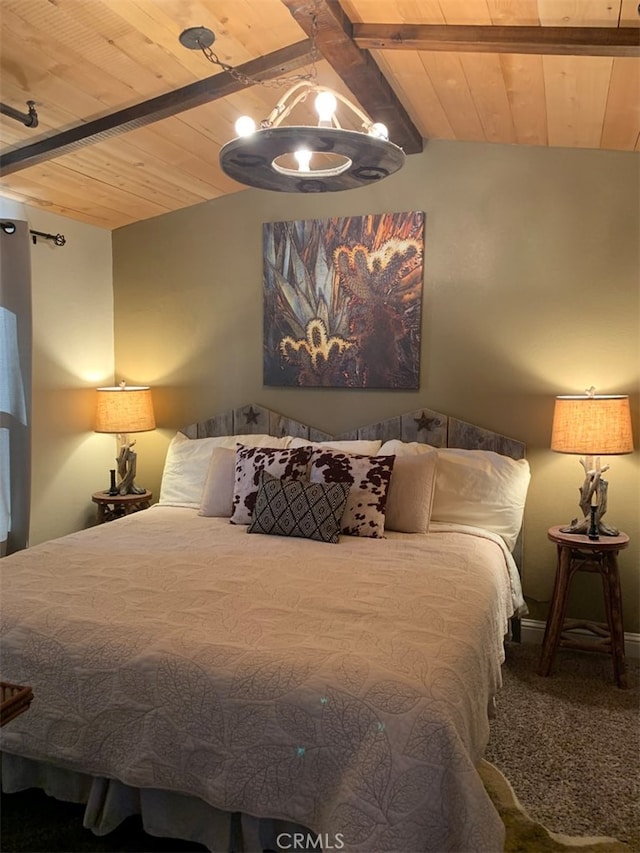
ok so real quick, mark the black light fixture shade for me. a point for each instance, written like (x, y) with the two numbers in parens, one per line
(303, 158)
(365, 159)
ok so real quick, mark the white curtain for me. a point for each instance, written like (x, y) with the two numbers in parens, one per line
(15, 387)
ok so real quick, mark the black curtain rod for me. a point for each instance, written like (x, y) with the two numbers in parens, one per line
(58, 239)
(10, 228)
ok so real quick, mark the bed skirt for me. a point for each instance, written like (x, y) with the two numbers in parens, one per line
(164, 814)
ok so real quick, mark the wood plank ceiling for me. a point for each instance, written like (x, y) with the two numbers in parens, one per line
(471, 70)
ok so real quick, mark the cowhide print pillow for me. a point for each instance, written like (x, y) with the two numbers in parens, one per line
(368, 477)
(250, 462)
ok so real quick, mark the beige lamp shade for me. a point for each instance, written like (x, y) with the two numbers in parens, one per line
(124, 409)
(592, 425)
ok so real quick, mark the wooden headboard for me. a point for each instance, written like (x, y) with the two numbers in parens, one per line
(422, 425)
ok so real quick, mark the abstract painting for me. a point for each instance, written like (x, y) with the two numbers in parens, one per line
(343, 301)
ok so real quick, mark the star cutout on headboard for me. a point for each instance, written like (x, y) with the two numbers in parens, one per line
(250, 417)
(426, 423)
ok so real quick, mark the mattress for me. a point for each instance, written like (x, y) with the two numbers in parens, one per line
(343, 687)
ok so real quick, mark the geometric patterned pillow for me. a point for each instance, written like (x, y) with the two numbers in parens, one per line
(298, 508)
(368, 477)
(251, 462)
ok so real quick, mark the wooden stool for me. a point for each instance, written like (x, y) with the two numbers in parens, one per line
(578, 553)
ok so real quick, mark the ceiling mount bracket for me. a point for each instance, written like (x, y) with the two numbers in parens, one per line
(197, 38)
(28, 119)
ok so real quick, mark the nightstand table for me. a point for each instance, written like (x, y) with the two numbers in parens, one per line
(578, 553)
(115, 506)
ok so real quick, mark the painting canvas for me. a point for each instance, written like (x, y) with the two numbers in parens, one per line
(343, 301)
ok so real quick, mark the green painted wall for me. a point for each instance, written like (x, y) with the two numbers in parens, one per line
(72, 297)
(531, 290)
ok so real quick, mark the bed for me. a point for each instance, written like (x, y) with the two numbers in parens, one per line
(256, 692)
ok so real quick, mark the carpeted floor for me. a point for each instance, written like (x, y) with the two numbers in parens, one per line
(569, 744)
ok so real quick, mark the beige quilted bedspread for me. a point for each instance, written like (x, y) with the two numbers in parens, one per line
(344, 687)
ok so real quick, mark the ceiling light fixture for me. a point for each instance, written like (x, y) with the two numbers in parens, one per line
(302, 158)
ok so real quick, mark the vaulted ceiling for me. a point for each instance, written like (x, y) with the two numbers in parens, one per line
(130, 122)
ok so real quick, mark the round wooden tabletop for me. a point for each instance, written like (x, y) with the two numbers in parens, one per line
(580, 540)
(106, 498)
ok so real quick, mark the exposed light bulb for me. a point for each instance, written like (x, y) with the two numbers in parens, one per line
(379, 130)
(325, 105)
(303, 156)
(245, 126)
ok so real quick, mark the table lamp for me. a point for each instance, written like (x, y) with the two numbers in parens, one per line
(594, 426)
(121, 410)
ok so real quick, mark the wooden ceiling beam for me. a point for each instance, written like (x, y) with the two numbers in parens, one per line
(559, 41)
(276, 64)
(326, 23)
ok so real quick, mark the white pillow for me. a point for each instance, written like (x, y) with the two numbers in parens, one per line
(396, 447)
(187, 464)
(217, 495)
(483, 489)
(362, 447)
(411, 490)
